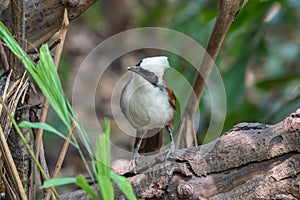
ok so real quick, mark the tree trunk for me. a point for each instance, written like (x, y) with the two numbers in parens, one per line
(32, 24)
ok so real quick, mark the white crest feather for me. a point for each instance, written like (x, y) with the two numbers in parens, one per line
(157, 65)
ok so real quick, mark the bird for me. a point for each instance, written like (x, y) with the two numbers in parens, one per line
(149, 104)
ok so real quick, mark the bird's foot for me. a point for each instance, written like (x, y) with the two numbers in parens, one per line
(134, 161)
(170, 150)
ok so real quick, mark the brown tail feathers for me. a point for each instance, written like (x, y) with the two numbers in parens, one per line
(152, 141)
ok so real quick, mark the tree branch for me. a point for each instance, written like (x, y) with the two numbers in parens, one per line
(252, 160)
(227, 12)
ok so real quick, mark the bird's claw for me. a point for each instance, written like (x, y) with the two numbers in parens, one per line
(134, 161)
(170, 150)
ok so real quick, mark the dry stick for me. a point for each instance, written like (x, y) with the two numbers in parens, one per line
(15, 99)
(11, 165)
(227, 11)
(43, 160)
(36, 58)
(61, 157)
(11, 90)
(38, 144)
(28, 148)
(57, 56)
(62, 36)
(8, 189)
(4, 57)
(5, 89)
(39, 147)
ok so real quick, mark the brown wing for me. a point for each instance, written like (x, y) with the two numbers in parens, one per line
(172, 101)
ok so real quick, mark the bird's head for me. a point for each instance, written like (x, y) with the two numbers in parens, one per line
(152, 69)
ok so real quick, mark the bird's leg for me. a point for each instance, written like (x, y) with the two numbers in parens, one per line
(171, 148)
(136, 151)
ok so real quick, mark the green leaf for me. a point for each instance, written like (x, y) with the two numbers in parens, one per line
(51, 86)
(234, 81)
(107, 128)
(242, 115)
(280, 81)
(46, 127)
(103, 152)
(124, 185)
(58, 182)
(9, 40)
(83, 184)
(44, 74)
(106, 188)
(103, 163)
(46, 77)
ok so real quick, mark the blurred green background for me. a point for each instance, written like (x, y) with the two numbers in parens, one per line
(259, 60)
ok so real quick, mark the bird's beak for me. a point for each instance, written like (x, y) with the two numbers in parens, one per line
(133, 68)
(137, 69)
(149, 76)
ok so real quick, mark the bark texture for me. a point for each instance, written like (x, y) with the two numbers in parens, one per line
(44, 18)
(251, 161)
(31, 23)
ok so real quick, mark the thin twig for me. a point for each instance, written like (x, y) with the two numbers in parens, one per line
(28, 148)
(38, 140)
(4, 57)
(11, 165)
(61, 157)
(35, 57)
(15, 99)
(9, 192)
(5, 88)
(43, 160)
(227, 12)
(11, 90)
(57, 57)
(62, 36)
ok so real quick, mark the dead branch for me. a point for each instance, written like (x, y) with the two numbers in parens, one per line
(251, 161)
(227, 12)
(12, 170)
(44, 18)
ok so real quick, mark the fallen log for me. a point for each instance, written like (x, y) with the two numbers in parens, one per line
(251, 161)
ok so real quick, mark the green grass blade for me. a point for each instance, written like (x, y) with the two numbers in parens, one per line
(103, 164)
(9, 40)
(58, 182)
(30, 151)
(44, 74)
(83, 184)
(52, 89)
(124, 185)
(103, 153)
(106, 188)
(46, 127)
(107, 128)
